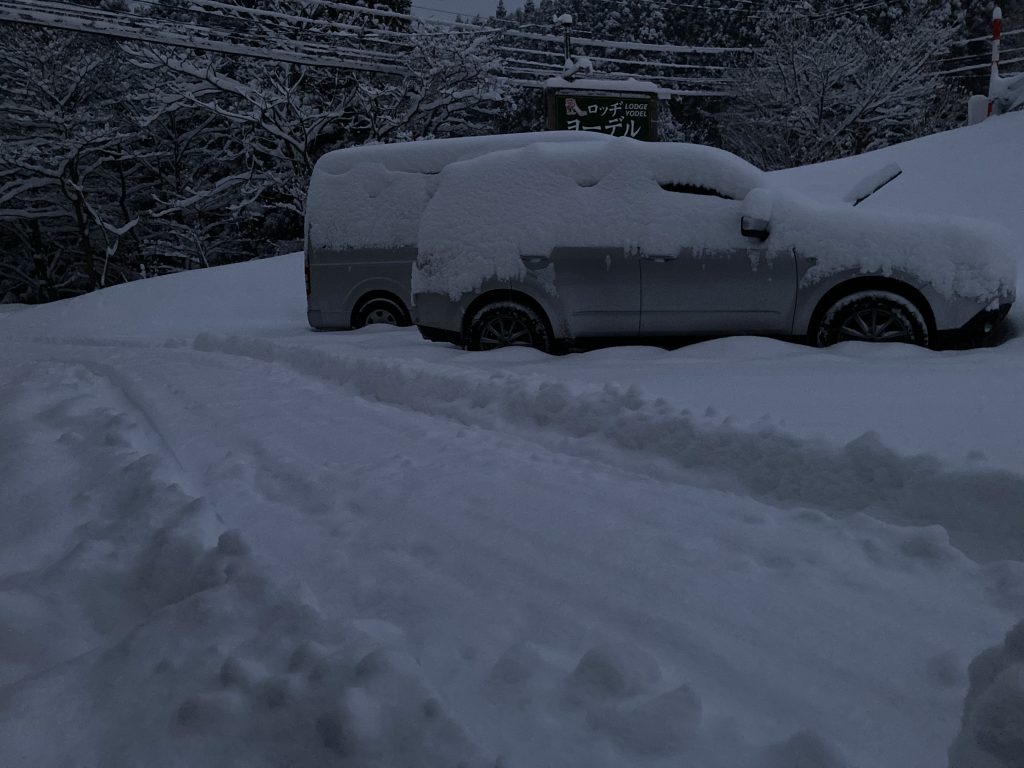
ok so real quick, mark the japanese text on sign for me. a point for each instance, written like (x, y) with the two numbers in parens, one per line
(616, 116)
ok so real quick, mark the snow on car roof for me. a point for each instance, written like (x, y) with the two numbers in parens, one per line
(431, 155)
(489, 211)
(373, 196)
(589, 164)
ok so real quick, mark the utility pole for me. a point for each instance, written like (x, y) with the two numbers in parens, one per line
(997, 34)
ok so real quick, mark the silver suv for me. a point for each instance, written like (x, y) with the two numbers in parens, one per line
(553, 244)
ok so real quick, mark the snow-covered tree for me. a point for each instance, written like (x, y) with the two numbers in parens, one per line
(285, 116)
(198, 218)
(70, 178)
(824, 86)
(451, 87)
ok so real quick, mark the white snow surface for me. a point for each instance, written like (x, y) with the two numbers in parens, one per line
(964, 172)
(226, 540)
(992, 735)
(491, 210)
(372, 196)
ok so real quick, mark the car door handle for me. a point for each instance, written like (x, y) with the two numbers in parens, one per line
(536, 262)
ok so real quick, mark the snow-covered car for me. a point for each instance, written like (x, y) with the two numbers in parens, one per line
(551, 244)
(362, 214)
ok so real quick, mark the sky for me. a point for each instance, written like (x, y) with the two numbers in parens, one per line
(447, 9)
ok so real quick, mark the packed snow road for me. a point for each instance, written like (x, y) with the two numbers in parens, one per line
(264, 546)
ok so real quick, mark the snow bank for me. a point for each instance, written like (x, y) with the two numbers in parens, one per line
(862, 475)
(373, 196)
(265, 294)
(992, 733)
(973, 172)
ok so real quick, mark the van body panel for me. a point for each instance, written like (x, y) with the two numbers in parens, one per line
(363, 213)
(340, 279)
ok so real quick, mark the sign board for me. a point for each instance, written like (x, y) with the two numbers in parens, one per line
(615, 113)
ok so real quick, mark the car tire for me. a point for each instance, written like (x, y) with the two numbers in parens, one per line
(508, 324)
(380, 311)
(874, 316)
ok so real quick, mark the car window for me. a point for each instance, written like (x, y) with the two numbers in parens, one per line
(694, 189)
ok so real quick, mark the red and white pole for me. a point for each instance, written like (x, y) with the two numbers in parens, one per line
(997, 35)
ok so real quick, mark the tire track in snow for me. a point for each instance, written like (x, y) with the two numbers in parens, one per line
(982, 510)
(133, 400)
(149, 618)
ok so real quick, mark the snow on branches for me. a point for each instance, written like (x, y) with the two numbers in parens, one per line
(67, 192)
(821, 86)
(126, 160)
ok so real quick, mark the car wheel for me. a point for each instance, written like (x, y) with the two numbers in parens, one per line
(508, 324)
(380, 311)
(876, 316)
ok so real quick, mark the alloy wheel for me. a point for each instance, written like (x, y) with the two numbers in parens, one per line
(505, 331)
(875, 324)
(381, 316)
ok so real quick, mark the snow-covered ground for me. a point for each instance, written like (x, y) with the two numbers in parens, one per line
(226, 540)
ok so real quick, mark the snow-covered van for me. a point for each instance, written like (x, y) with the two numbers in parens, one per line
(553, 244)
(362, 217)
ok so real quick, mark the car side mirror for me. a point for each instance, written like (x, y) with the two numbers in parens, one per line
(756, 216)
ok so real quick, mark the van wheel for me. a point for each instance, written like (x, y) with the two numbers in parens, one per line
(380, 311)
(876, 316)
(508, 324)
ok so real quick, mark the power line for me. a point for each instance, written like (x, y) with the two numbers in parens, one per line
(155, 31)
(975, 56)
(110, 26)
(638, 62)
(92, 14)
(247, 41)
(988, 37)
(976, 67)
